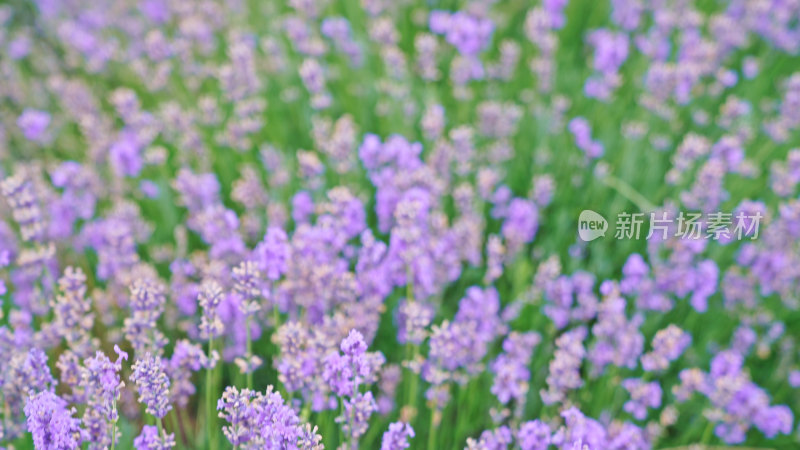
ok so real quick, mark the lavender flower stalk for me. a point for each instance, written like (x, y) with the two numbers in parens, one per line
(248, 285)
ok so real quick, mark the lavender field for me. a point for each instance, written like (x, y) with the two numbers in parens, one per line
(391, 224)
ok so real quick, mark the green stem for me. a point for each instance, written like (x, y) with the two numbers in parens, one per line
(411, 393)
(707, 433)
(432, 430)
(628, 192)
(411, 399)
(114, 427)
(353, 441)
(460, 408)
(341, 413)
(174, 426)
(249, 354)
(211, 417)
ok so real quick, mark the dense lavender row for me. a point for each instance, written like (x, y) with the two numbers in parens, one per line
(352, 224)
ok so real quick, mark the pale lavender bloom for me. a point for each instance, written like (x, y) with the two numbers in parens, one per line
(750, 67)
(579, 429)
(668, 344)
(248, 284)
(236, 408)
(21, 195)
(390, 378)
(20, 47)
(774, 420)
(433, 121)
(498, 120)
(149, 189)
(338, 29)
(345, 372)
(146, 304)
(413, 318)
(582, 131)
(73, 318)
(397, 436)
(427, 47)
(544, 187)
(69, 365)
(298, 358)
(534, 435)
(555, 10)
(302, 207)
(627, 13)
(565, 366)
(618, 339)
(125, 155)
(257, 420)
(312, 76)
(643, 396)
(101, 383)
(209, 299)
(498, 439)
(152, 384)
(357, 412)
(33, 123)
(495, 256)
(794, 378)
(27, 374)
(611, 50)
(149, 439)
(511, 367)
(481, 307)
(468, 33)
(520, 225)
(52, 424)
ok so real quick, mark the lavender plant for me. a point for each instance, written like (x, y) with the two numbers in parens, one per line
(362, 224)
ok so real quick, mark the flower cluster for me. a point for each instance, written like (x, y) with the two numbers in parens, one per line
(257, 420)
(345, 225)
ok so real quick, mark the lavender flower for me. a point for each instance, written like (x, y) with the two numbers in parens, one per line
(150, 439)
(397, 436)
(643, 396)
(27, 374)
(273, 253)
(33, 123)
(101, 383)
(511, 367)
(51, 423)
(357, 411)
(259, 420)
(564, 372)
(152, 384)
(345, 372)
(21, 196)
(582, 131)
(468, 33)
(668, 344)
(146, 304)
(534, 435)
(73, 318)
(248, 284)
(522, 221)
(209, 299)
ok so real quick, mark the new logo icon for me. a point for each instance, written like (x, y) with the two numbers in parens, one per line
(591, 225)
